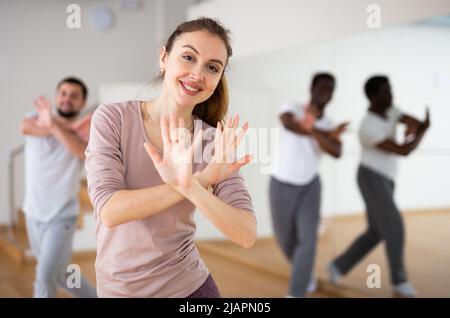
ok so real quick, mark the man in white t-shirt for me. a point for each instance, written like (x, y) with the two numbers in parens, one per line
(376, 175)
(55, 142)
(295, 184)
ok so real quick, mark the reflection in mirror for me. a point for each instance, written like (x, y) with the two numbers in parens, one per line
(402, 252)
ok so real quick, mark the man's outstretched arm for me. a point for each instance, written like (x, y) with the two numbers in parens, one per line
(30, 127)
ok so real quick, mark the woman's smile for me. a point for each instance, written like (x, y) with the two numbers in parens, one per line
(190, 88)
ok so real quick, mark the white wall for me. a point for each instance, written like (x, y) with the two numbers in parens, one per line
(268, 25)
(416, 60)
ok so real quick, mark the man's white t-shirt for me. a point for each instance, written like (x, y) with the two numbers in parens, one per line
(298, 155)
(52, 179)
(375, 129)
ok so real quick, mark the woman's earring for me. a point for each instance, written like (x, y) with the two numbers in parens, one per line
(161, 70)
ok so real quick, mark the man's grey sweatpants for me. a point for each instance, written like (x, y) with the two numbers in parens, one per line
(51, 243)
(384, 223)
(295, 217)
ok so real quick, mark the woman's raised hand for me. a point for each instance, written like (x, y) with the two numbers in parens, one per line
(175, 166)
(223, 162)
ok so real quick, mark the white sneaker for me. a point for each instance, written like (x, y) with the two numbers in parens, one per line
(334, 273)
(404, 289)
(312, 286)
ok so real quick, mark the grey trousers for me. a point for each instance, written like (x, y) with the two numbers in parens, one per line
(384, 224)
(295, 218)
(51, 243)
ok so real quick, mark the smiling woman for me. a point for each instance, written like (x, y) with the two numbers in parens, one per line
(201, 47)
(145, 186)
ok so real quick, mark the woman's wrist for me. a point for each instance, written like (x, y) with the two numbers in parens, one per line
(190, 191)
(202, 180)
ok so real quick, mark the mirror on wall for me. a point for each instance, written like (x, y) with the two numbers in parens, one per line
(414, 57)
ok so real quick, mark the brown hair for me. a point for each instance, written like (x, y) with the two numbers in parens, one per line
(215, 107)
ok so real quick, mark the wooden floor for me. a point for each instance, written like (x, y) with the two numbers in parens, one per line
(427, 253)
(262, 271)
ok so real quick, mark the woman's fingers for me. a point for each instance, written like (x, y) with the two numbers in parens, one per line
(219, 133)
(227, 139)
(242, 162)
(232, 138)
(218, 142)
(230, 130)
(236, 121)
(173, 128)
(229, 122)
(165, 130)
(197, 143)
(183, 134)
(153, 153)
(241, 134)
(227, 133)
